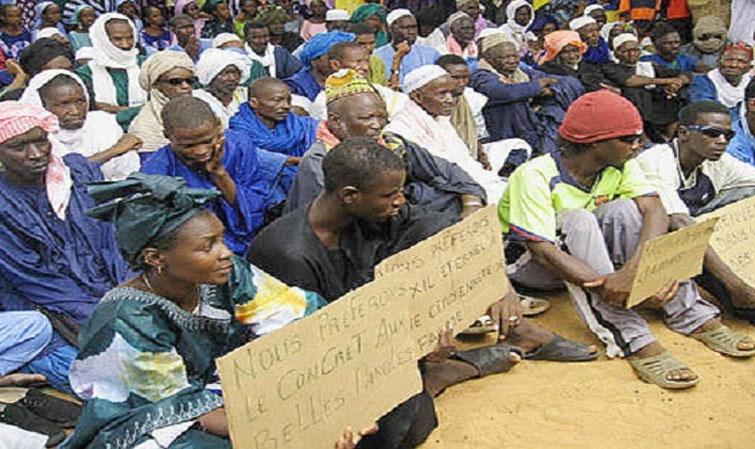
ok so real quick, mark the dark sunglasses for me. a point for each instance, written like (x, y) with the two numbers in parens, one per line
(178, 81)
(708, 36)
(713, 132)
(634, 138)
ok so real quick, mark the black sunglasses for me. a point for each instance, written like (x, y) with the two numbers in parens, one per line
(713, 132)
(178, 81)
(634, 138)
(708, 36)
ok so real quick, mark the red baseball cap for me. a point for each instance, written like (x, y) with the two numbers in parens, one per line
(600, 115)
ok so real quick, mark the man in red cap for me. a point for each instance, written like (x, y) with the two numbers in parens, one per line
(578, 215)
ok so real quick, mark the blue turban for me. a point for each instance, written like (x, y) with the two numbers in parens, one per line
(320, 44)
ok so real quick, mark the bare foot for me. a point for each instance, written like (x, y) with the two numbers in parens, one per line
(530, 336)
(22, 380)
(656, 348)
(746, 344)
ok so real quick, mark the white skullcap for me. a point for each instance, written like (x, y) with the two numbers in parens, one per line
(214, 60)
(580, 22)
(85, 53)
(397, 14)
(592, 8)
(336, 14)
(421, 76)
(223, 38)
(646, 42)
(48, 33)
(456, 16)
(624, 38)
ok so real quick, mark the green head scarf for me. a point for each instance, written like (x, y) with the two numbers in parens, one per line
(145, 207)
(367, 10)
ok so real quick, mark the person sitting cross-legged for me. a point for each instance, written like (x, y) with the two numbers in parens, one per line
(146, 370)
(252, 181)
(578, 216)
(694, 175)
(332, 246)
(55, 259)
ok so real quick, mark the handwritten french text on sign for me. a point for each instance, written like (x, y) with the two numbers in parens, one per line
(354, 360)
(457, 274)
(734, 239)
(670, 257)
(301, 385)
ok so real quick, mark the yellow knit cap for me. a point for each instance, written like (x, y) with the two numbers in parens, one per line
(346, 82)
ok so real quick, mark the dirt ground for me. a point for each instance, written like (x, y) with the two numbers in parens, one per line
(602, 404)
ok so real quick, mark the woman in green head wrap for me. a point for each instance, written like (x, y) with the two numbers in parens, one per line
(372, 14)
(147, 354)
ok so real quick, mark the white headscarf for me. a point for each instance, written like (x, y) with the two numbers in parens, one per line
(214, 60)
(511, 12)
(592, 8)
(422, 76)
(726, 93)
(267, 60)
(47, 33)
(623, 39)
(99, 132)
(107, 55)
(105, 52)
(580, 22)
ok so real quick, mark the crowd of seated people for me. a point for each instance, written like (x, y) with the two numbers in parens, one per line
(149, 153)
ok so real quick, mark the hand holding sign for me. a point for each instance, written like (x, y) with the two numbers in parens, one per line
(668, 258)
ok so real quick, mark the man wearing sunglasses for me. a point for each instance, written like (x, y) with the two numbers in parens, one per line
(578, 215)
(695, 175)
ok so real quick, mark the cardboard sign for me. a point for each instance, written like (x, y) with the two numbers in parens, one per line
(458, 273)
(734, 239)
(301, 385)
(354, 360)
(670, 257)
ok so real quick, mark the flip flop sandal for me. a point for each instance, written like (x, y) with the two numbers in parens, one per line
(488, 359)
(655, 370)
(481, 326)
(533, 306)
(465, 365)
(560, 349)
(724, 340)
